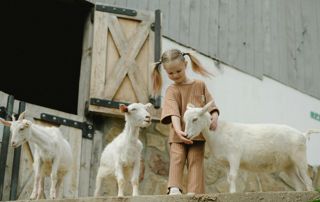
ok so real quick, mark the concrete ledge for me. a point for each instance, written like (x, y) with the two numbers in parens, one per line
(221, 197)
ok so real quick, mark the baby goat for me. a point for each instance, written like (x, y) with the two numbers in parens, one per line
(124, 152)
(253, 147)
(52, 155)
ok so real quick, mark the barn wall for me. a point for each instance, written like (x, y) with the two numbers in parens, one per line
(276, 38)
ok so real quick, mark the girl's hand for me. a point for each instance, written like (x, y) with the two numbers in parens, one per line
(214, 121)
(182, 135)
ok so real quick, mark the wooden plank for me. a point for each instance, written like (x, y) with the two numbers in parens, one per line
(258, 39)
(74, 137)
(128, 31)
(119, 71)
(291, 44)
(142, 71)
(85, 69)
(241, 23)
(140, 81)
(316, 68)
(266, 23)
(134, 4)
(214, 28)
(85, 166)
(138, 84)
(184, 25)
(153, 5)
(223, 30)
(274, 68)
(164, 6)
(174, 22)
(310, 47)
(282, 35)
(194, 24)
(19, 107)
(125, 91)
(8, 160)
(250, 32)
(299, 41)
(110, 2)
(98, 74)
(204, 26)
(121, 3)
(26, 175)
(143, 4)
(96, 152)
(234, 44)
(118, 35)
(151, 56)
(3, 103)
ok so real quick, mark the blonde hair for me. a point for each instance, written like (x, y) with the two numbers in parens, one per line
(169, 56)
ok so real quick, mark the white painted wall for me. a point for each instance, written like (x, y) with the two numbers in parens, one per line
(243, 98)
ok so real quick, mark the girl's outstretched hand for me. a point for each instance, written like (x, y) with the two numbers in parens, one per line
(214, 121)
(182, 135)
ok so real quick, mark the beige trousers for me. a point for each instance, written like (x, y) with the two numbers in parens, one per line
(193, 155)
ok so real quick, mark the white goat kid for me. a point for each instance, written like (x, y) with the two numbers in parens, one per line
(52, 155)
(253, 147)
(121, 158)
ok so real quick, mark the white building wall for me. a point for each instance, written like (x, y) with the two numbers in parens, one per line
(244, 98)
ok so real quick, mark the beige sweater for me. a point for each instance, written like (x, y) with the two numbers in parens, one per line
(176, 100)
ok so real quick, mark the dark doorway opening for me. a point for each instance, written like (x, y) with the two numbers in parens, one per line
(41, 47)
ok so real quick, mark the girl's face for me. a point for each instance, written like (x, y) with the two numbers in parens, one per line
(176, 71)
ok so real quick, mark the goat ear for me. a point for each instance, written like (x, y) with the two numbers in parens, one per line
(207, 107)
(22, 115)
(4, 122)
(190, 106)
(123, 108)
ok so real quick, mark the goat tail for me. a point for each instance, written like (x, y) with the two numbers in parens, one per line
(309, 132)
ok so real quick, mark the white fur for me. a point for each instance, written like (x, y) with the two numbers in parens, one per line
(121, 158)
(253, 147)
(52, 155)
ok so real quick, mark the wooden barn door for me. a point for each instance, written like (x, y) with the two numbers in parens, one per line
(123, 51)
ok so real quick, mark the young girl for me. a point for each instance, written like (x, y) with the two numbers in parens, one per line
(183, 91)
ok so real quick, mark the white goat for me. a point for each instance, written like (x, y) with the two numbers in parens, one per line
(121, 157)
(253, 147)
(52, 155)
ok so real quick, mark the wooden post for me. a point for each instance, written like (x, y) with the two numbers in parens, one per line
(4, 145)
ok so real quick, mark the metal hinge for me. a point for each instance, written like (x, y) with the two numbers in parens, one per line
(116, 10)
(106, 103)
(87, 129)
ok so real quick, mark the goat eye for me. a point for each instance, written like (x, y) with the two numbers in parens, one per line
(21, 129)
(133, 109)
(194, 120)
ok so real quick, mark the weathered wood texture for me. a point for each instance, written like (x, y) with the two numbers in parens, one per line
(122, 54)
(276, 38)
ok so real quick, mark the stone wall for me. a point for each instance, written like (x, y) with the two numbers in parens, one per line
(155, 166)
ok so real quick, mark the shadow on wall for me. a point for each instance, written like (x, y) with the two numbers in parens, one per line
(41, 47)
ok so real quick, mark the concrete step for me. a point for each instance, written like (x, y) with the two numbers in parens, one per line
(219, 197)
